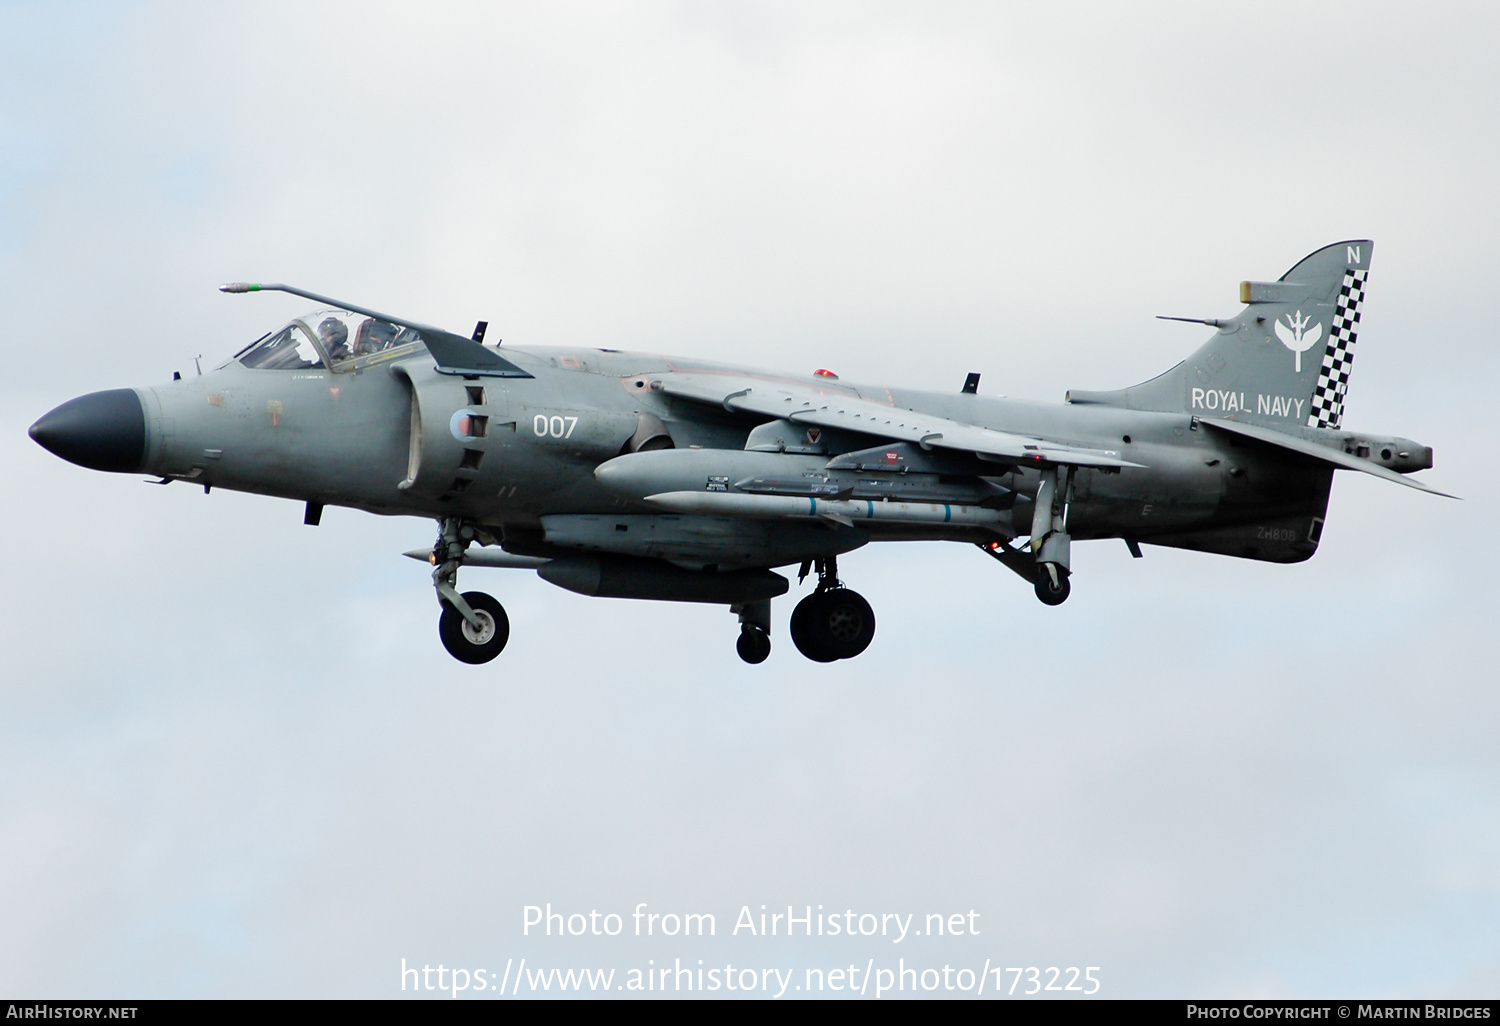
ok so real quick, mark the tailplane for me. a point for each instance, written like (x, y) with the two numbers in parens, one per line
(1283, 361)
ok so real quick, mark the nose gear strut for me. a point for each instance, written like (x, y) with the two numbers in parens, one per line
(453, 539)
(473, 627)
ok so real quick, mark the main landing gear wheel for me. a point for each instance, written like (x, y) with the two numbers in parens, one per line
(833, 624)
(1052, 585)
(801, 637)
(469, 644)
(754, 644)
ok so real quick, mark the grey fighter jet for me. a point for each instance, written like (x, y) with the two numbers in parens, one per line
(630, 475)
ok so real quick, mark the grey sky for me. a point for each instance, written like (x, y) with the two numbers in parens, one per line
(234, 758)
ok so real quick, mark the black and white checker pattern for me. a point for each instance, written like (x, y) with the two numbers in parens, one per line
(1338, 359)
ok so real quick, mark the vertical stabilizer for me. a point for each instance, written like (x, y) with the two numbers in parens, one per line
(1283, 361)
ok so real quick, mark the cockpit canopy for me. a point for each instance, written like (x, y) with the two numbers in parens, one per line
(335, 339)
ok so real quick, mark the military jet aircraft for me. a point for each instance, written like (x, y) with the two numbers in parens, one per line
(631, 475)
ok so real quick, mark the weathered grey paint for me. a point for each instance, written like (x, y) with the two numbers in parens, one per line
(565, 461)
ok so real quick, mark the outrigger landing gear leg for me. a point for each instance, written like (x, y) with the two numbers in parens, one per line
(1052, 585)
(1049, 537)
(755, 630)
(473, 627)
(834, 622)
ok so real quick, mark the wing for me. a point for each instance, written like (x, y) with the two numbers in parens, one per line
(844, 411)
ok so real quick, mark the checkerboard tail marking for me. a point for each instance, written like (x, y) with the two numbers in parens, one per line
(1338, 359)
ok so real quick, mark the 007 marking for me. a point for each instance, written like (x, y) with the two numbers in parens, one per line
(553, 427)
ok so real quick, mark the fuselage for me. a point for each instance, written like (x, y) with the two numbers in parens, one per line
(398, 438)
(634, 475)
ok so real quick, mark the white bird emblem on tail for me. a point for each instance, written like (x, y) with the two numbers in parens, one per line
(1293, 337)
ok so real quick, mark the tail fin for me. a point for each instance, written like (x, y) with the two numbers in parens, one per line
(1283, 361)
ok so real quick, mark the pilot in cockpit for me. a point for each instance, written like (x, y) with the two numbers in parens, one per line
(374, 336)
(335, 338)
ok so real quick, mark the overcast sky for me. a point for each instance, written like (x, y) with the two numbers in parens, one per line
(235, 759)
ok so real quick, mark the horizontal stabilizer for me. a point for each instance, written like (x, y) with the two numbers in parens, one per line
(1326, 454)
(846, 412)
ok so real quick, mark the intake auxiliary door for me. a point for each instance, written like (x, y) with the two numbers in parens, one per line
(449, 434)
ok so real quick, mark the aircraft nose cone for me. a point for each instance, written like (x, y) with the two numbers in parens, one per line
(101, 431)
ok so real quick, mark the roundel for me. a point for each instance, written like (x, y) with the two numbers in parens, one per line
(461, 424)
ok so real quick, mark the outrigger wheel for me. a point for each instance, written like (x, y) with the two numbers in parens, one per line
(833, 624)
(754, 644)
(1052, 585)
(469, 644)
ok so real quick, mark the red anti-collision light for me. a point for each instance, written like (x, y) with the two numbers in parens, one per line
(823, 373)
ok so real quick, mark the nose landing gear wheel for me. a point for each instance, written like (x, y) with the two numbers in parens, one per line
(754, 645)
(834, 624)
(467, 643)
(1052, 585)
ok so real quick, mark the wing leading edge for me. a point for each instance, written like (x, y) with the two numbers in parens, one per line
(803, 405)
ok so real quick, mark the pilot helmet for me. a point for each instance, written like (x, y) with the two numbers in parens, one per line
(333, 333)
